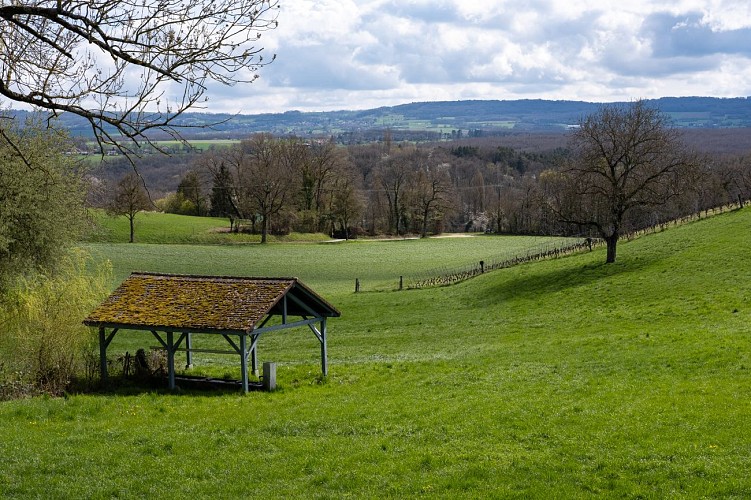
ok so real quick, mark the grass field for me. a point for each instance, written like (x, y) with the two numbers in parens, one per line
(330, 267)
(161, 228)
(187, 245)
(558, 379)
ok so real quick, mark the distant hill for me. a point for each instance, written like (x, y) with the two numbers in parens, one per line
(446, 118)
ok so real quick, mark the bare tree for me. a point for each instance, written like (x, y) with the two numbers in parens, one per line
(267, 177)
(319, 169)
(392, 177)
(430, 194)
(626, 157)
(118, 63)
(346, 199)
(254, 179)
(130, 198)
(734, 174)
(477, 193)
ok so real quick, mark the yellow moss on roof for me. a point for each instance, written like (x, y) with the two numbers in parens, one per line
(190, 302)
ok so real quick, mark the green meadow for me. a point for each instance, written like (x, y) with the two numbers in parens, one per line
(159, 228)
(188, 245)
(563, 378)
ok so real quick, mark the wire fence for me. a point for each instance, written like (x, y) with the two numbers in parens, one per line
(449, 276)
(699, 215)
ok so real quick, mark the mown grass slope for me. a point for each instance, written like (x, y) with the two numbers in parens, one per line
(329, 267)
(162, 228)
(564, 378)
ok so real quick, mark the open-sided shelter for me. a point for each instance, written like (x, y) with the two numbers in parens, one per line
(174, 307)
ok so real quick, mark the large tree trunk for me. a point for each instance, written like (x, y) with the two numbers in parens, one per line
(612, 242)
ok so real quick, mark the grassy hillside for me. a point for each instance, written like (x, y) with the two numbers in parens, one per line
(564, 378)
(160, 228)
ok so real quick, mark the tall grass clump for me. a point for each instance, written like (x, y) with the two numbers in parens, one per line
(43, 344)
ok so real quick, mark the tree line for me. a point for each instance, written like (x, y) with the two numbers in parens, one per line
(376, 188)
(623, 169)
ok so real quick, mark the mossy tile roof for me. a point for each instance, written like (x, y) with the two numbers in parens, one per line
(199, 303)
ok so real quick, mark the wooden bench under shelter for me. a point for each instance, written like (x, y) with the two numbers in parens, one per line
(174, 307)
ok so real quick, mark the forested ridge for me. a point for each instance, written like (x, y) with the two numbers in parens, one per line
(487, 116)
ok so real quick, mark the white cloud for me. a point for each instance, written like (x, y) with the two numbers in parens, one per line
(354, 54)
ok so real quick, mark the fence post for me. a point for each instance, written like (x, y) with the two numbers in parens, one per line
(357, 285)
(401, 282)
(482, 266)
(269, 376)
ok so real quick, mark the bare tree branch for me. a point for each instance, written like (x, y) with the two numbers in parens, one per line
(115, 62)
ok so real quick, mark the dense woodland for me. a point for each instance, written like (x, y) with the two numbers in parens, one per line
(494, 184)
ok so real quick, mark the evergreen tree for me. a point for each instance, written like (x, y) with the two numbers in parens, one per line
(221, 195)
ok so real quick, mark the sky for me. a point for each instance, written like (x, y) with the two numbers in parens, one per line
(361, 54)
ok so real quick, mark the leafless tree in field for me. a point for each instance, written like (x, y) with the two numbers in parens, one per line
(625, 158)
(128, 199)
(118, 63)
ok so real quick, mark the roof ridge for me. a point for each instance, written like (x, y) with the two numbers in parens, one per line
(214, 276)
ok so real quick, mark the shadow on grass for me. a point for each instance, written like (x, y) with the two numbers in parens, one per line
(185, 386)
(530, 281)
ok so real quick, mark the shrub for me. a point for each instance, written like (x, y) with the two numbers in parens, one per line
(43, 338)
(42, 199)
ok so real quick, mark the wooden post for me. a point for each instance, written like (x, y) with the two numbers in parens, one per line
(269, 376)
(244, 361)
(324, 353)
(357, 285)
(482, 267)
(171, 360)
(254, 361)
(102, 354)
(188, 353)
(401, 282)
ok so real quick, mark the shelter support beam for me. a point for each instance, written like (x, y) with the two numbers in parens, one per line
(172, 347)
(244, 361)
(104, 342)
(321, 336)
(188, 351)
(171, 359)
(286, 326)
(324, 351)
(254, 360)
(231, 343)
